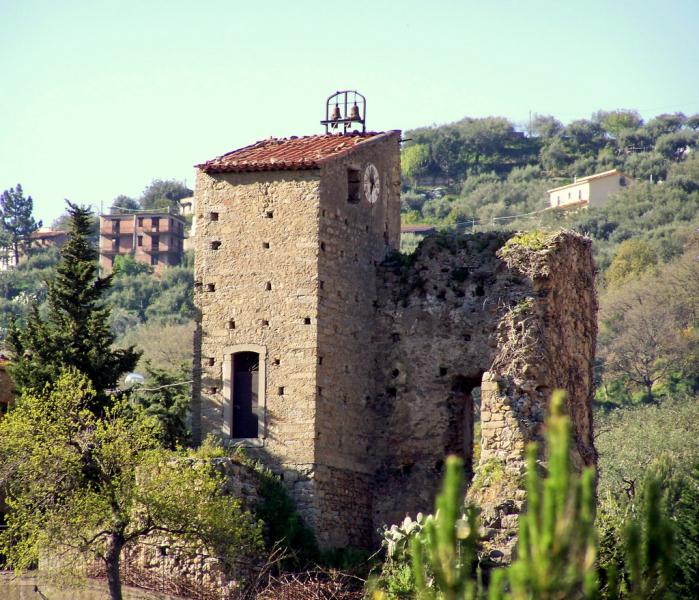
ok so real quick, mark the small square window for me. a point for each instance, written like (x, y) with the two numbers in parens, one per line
(307, 320)
(139, 240)
(215, 245)
(213, 216)
(230, 324)
(280, 391)
(210, 362)
(354, 181)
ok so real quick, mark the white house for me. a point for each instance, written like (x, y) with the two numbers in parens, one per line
(591, 191)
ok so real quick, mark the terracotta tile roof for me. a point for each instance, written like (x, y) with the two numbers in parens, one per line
(39, 235)
(288, 154)
(611, 173)
(418, 228)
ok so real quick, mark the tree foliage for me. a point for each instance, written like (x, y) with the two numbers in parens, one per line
(124, 204)
(164, 193)
(166, 397)
(83, 487)
(633, 258)
(16, 220)
(75, 331)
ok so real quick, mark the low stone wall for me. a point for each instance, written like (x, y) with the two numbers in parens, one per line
(157, 561)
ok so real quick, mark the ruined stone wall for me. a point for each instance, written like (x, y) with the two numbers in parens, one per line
(515, 319)
(436, 337)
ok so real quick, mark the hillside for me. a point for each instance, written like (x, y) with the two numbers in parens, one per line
(484, 175)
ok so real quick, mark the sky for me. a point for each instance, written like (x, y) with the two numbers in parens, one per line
(98, 98)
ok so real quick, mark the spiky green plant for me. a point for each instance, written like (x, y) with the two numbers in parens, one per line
(556, 555)
(557, 548)
(556, 551)
(450, 543)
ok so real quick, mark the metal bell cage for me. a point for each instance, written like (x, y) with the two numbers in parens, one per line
(349, 103)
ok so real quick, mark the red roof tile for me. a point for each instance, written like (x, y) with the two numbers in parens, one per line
(288, 154)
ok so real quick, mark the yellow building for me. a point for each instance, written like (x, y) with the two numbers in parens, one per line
(592, 191)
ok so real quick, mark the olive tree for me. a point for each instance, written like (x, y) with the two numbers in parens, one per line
(82, 487)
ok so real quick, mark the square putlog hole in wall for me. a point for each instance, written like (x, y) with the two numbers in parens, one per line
(213, 216)
(269, 214)
(210, 287)
(230, 324)
(265, 245)
(280, 391)
(307, 320)
(215, 245)
(268, 286)
(210, 362)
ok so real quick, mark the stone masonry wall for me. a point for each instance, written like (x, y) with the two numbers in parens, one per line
(256, 285)
(516, 320)
(438, 316)
(355, 238)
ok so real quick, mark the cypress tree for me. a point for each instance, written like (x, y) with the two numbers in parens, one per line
(75, 331)
(16, 219)
(686, 581)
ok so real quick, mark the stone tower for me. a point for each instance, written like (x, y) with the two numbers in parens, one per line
(290, 234)
(353, 372)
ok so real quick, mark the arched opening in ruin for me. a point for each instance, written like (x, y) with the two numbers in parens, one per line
(245, 394)
(464, 411)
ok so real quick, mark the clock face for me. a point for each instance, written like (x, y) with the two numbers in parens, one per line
(371, 183)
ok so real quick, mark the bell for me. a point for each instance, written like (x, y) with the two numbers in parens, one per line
(337, 115)
(354, 113)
